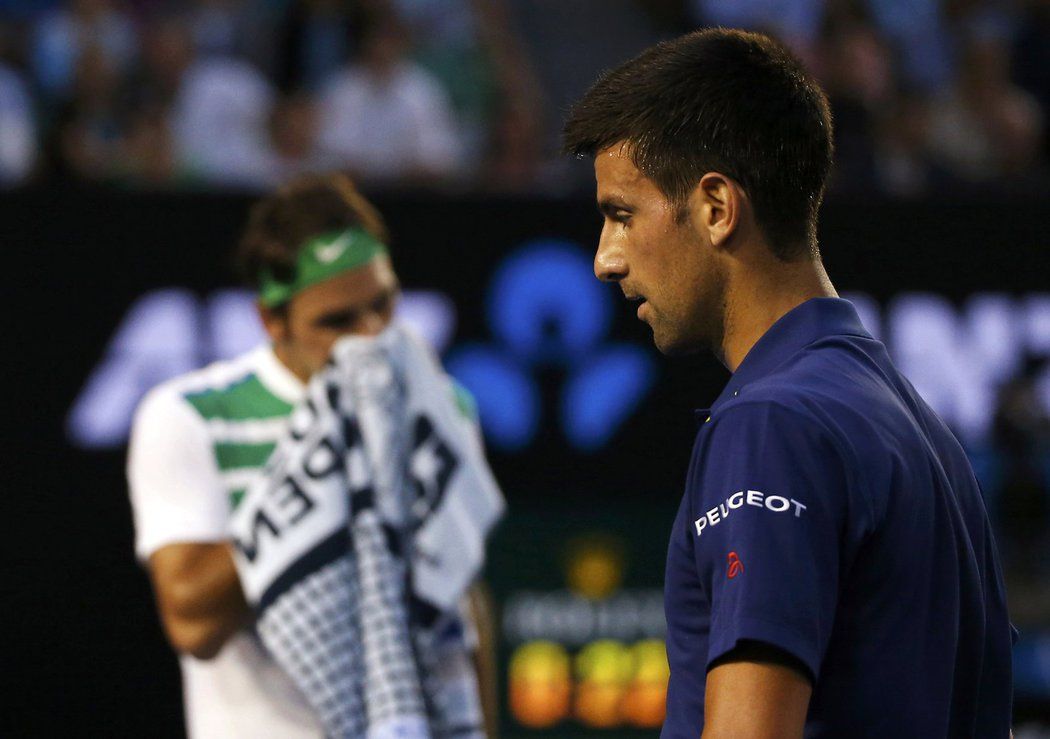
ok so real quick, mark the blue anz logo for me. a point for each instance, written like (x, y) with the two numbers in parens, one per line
(546, 310)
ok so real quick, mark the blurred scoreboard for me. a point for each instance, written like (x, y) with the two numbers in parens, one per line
(581, 614)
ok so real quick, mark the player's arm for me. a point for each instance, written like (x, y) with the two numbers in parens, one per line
(199, 596)
(181, 512)
(771, 502)
(756, 692)
(485, 656)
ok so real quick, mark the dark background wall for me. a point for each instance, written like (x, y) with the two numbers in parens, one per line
(82, 651)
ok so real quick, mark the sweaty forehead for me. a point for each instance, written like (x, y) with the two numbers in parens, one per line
(618, 178)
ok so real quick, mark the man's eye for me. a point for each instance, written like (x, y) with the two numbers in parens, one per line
(340, 320)
(382, 304)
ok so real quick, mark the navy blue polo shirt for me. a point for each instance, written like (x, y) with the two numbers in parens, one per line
(830, 513)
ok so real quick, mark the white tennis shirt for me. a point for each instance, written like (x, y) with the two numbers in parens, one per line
(197, 442)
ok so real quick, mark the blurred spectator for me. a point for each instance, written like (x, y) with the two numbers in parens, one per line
(448, 44)
(469, 47)
(167, 52)
(387, 119)
(795, 22)
(293, 137)
(316, 39)
(985, 127)
(61, 38)
(916, 30)
(857, 71)
(231, 28)
(220, 119)
(1031, 59)
(148, 154)
(570, 44)
(514, 127)
(515, 159)
(88, 133)
(17, 127)
(903, 165)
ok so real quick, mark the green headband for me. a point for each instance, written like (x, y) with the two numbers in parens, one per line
(320, 258)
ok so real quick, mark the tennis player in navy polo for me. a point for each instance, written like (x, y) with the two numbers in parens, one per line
(831, 571)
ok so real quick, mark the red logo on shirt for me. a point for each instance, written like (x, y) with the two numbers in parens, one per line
(736, 567)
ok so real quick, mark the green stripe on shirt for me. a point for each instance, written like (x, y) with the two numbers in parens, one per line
(234, 456)
(243, 400)
(235, 498)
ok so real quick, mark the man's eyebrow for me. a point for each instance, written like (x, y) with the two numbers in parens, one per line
(349, 310)
(337, 314)
(610, 205)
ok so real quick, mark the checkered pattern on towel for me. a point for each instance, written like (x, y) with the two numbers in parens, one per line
(345, 621)
(392, 684)
(312, 631)
(354, 552)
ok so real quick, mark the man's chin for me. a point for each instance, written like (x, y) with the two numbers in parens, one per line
(674, 346)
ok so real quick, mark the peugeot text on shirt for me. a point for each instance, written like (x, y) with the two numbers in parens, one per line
(774, 503)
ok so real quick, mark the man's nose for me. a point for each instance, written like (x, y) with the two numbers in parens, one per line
(609, 262)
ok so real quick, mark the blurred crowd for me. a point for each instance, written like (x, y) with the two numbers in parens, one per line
(246, 93)
(928, 95)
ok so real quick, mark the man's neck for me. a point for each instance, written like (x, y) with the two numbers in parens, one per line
(284, 357)
(758, 298)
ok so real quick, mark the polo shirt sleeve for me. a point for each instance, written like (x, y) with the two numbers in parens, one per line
(768, 505)
(177, 493)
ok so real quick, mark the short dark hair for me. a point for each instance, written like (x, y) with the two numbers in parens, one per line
(280, 224)
(724, 101)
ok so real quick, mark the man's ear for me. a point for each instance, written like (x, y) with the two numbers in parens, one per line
(716, 205)
(275, 321)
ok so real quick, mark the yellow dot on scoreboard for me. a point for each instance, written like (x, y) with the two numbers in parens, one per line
(603, 671)
(540, 684)
(644, 703)
(595, 568)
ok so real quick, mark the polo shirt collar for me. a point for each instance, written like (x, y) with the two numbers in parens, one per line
(815, 319)
(276, 377)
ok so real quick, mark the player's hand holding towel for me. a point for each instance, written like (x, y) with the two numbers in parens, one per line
(356, 547)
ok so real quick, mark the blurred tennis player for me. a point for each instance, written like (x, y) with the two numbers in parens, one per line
(200, 441)
(831, 571)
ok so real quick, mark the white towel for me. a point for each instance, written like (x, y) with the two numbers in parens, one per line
(358, 544)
